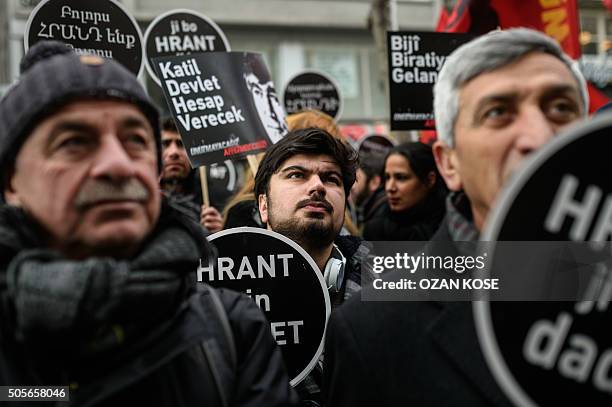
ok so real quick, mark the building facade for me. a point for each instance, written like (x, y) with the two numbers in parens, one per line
(326, 35)
(332, 36)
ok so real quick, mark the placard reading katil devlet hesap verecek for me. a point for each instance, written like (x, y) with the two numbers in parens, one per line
(221, 103)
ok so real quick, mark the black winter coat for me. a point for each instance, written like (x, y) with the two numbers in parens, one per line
(243, 213)
(137, 332)
(416, 224)
(407, 353)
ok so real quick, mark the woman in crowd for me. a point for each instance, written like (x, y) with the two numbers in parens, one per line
(415, 196)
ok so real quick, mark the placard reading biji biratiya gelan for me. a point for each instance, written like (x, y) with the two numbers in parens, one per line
(221, 104)
(415, 60)
(284, 282)
(180, 32)
(98, 27)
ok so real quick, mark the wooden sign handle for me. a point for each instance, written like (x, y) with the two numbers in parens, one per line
(204, 185)
(253, 163)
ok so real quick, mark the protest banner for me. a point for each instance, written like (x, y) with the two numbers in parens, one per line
(99, 27)
(415, 60)
(313, 90)
(181, 32)
(284, 282)
(224, 104)
(553, 352)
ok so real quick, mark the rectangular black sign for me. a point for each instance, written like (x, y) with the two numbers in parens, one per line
(218, 116)
(415, 60)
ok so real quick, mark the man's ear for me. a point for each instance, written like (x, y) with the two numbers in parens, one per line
(11, 196)
(262, 203)
(448, 165)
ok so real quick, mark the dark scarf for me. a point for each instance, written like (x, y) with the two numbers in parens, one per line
(93, 305)
(418, 223)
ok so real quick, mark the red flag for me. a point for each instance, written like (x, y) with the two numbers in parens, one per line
(428, 136)
(458, 20)
(442, 20)
(469, 16)
(596, 98)
(558, 19)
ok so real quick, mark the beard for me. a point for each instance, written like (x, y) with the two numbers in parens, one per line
(312, 232)
(362, 195)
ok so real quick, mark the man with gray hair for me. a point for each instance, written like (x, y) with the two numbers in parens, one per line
(498, 98)
(516, 90)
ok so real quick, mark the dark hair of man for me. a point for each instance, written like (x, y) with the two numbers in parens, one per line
(168, 124)
(191, 184)
(309, 141)
(372, 166)
(421, 160)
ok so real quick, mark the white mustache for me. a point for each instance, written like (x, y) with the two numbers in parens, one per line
(97, 191)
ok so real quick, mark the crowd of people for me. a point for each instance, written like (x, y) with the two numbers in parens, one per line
(102, 226)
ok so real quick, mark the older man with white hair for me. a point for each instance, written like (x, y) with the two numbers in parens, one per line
(498, 98)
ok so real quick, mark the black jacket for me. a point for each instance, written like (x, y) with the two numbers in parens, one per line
(406, 354)
(373, 206)
(243, 213)
(415, 224)
(355, 251)
(137, 332)
(189, 201)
